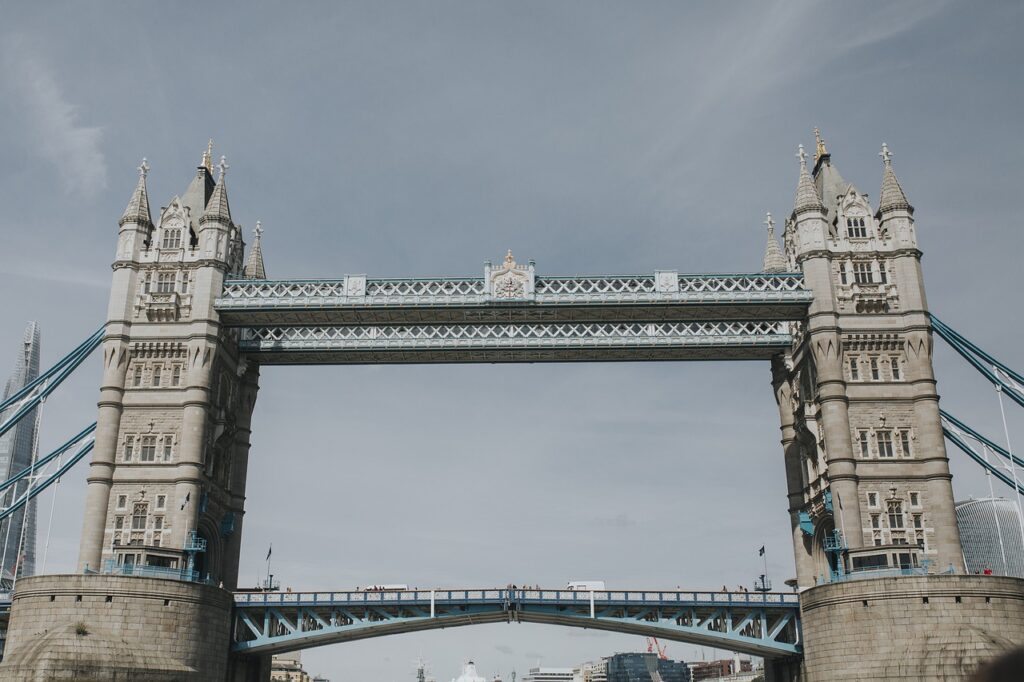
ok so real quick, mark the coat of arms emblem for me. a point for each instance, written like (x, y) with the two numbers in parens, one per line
(509, 279)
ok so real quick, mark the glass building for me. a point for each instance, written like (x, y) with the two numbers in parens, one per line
(18, 531)
(990, 533)
(646, 668)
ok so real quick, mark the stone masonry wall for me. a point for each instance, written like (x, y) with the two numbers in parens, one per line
(101, 627)
(938, 627)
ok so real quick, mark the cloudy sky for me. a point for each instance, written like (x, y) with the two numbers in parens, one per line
(416, 139)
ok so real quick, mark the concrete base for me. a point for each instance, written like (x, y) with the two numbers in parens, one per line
(939, 627)
(115, 628)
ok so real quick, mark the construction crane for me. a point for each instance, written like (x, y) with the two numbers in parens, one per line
(654, 647)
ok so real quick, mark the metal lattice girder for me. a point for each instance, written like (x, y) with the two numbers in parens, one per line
(516, 342)
(762, 624)
(358, 300)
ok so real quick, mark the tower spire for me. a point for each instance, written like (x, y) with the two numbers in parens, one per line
(819, 146)
(807, 198)
(774, 261)
(254, 265)
(891, 197)
(217, 208)
(137, 210)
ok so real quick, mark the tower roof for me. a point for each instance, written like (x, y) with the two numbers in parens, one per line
(217, 207)
(774, 261)
(807, 198)
(254, 265)
(137, 210)
(892, 197)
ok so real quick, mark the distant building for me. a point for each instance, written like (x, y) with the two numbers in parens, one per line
(646, 668)
(16, 450)
(549, 675)
(990, 535)
(288, 668)
(726, 668)
(592, 671)
(469, 674)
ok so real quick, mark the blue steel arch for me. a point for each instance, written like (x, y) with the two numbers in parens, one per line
(761, 624)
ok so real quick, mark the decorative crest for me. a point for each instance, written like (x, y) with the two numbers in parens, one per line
(223, 166)
(207, 161)
(801, 154)
(510, 280)
(820, 150)
(885, 154)
(143, 168)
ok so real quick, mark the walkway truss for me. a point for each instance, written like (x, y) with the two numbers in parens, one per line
(754, 623)
(665, 316)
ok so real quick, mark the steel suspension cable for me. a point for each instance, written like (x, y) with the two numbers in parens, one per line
(947, 333)
(75, 356)
(958, 440)
(63, 469)
(960, 426)
(1013, 468)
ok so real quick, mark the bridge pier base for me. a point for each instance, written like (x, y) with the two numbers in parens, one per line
(936, 627)
(249, 669)
(92, 628)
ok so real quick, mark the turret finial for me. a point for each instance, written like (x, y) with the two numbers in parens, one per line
(820, 150)
(143, 168)
(885, 154)
(774, 261)
(257, 231)
(510, 262)
(770, 222)
(223, 166)
(801, 154)
(207, 161)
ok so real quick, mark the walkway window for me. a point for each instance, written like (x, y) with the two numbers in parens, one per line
(885, 444)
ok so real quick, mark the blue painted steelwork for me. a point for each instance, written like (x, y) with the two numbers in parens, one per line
(987, 365)
(762, 624)
(806, 525)
(40, 486)
(110, 567)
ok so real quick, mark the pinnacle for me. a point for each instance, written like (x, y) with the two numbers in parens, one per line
(891, 197)
(137, 210)
(807, 198)
(254, 265)
(774, 261)
(217, 209)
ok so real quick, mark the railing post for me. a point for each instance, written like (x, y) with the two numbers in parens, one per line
(592, 614)
(432, 603)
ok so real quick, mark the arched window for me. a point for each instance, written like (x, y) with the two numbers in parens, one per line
(171, 239)
(856, 228)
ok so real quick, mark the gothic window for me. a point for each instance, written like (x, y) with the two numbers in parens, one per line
(172, 239)
(862, 273)
(158, 523)
(865, 448)
(843, 277)
(148, 450)
(157, 370)
(139, 515)
(873, 500)
(854, 369)
(876, 520)
(184, 282)
(885, 448)
(118, 522)
(147, 283)
(883, 276)
(176, 375)
(161, 501)
(129, 447)
(122, 501)
(856, 228)
(877, 538)
(875, 373)
(905, 447)
(156, 539)
(894, 364)
(168, 447)
(137, 376)
(915, 499)
(894, 510)
(918, 522)
(165, 283)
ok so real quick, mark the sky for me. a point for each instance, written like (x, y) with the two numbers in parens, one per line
(419, 139)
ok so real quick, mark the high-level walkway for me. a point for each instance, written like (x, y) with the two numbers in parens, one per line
(761, 624)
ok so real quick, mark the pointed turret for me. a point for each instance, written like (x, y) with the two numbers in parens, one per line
(891, 198)
(254, 265)
(807, 198)
(137, 211)
(217, 209)
(774, 261)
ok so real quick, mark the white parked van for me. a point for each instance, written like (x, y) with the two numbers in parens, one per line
(586, 585)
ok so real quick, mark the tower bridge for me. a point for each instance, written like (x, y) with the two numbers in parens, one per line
(838, 312)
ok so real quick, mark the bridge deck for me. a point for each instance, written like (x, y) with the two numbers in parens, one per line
(760, 624)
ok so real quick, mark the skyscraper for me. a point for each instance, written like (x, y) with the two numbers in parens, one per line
(16, 448)
(991, 536)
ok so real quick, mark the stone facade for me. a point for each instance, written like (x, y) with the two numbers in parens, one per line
(937, 627)
(863, 444)
(93, 628)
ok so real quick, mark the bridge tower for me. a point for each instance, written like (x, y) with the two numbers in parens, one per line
(166, 486)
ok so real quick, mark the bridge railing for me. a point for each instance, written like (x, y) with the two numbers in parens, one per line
(581, 597)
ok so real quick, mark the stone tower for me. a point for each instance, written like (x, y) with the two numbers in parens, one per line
(867, 472)
(169, 466)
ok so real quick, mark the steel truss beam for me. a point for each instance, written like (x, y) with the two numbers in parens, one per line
(753, 623)
(516, 342)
